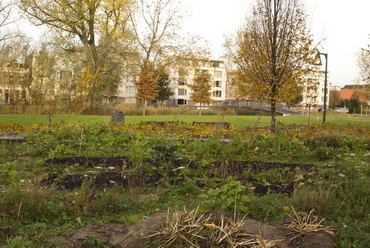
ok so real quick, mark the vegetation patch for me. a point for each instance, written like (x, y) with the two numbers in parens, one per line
(67, 177)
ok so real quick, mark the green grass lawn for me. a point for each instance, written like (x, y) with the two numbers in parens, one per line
(239, 121)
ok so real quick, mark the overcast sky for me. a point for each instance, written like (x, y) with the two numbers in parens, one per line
(344, 27)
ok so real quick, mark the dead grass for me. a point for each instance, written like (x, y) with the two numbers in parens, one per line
(183, 228)
(302, 224)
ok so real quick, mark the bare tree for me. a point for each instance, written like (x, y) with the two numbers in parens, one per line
(7, 32)
(80, 24)
(154, 25)
(273, 50)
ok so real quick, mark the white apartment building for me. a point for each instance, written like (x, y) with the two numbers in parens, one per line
(126, 91)
(181, 76)
(313, 91)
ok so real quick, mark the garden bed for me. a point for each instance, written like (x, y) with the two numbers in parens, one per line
(110, 173)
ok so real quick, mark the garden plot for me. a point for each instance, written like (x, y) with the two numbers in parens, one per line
(106, 172)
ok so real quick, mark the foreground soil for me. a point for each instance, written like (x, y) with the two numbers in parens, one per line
(136, 235)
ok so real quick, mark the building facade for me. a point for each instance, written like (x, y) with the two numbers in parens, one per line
(314, 90)
(181, 75)
(14, 83)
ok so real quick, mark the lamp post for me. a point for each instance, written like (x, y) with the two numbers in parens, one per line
(318, 62)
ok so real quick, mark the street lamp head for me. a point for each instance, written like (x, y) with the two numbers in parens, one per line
(317, 60)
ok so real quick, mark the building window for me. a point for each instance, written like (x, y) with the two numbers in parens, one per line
(182, 92)
(217, 84)
(215, 64)
(130, 89)
(181, 101)
(218, 74)
(202, 64)
(183, 81)
(217, 93)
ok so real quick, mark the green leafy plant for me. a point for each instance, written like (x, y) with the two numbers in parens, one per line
(9, 173)
(59, 151)
(231, 196)
(19, 242)
(166, 157)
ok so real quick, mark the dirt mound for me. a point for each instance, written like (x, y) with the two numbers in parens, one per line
(112, 235)
(136, 235)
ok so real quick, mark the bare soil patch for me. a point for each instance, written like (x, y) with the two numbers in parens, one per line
(136, 235)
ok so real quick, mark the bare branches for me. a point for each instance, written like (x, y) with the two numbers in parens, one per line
(7, 32)
(363, 63)
(155, 28)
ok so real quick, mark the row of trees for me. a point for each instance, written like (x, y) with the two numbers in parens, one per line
(110, 39)
(272, 51)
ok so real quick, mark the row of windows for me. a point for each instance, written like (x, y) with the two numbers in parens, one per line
(184, 92)
(184, 72)
(130, 89)
(215, 83)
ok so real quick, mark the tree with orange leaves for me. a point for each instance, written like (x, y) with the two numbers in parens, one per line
(201, 88)
(147, 86)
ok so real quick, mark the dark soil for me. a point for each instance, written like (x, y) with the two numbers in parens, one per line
(90, 162)
(101, 180)
(104, 179)
(235, 167)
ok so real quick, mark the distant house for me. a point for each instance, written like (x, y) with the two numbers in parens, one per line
(363, 92)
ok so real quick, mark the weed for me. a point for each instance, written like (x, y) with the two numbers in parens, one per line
(29, 202)
(166, 157)
(9, 173)
(59, 151)
(231, 196)
(19, 242)
(321, 198)
(95, 241)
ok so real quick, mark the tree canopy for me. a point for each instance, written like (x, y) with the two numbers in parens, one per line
(364, 64)
(201, 88)
(273, 50)
(80, 25)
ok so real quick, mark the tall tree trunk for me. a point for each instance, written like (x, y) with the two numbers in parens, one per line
(273, 115)
(144, 107)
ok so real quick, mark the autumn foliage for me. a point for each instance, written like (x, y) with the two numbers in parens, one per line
(274, 51)
(201, 87)
(146, 86)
